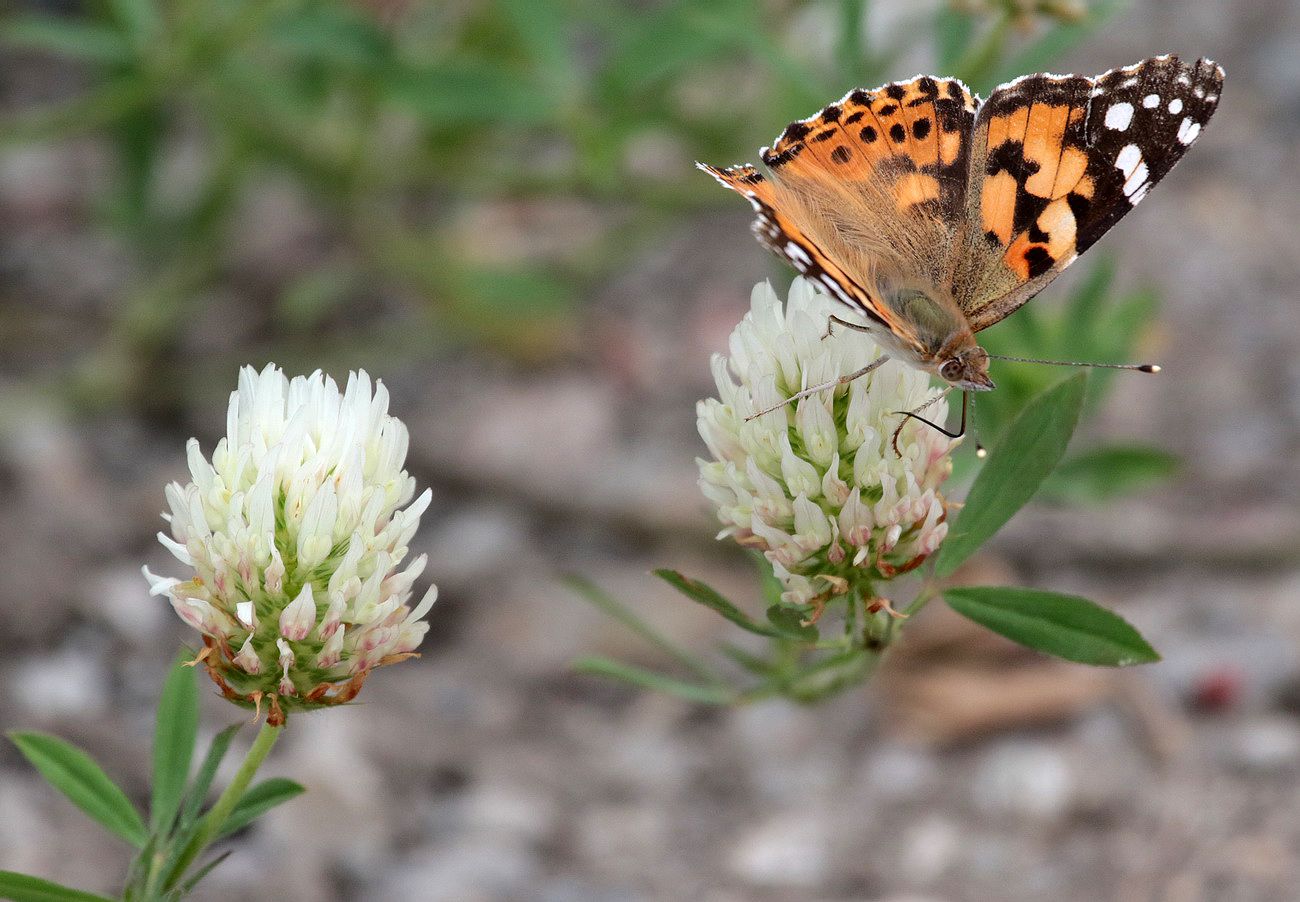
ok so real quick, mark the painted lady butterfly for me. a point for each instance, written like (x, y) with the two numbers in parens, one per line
(935, 215)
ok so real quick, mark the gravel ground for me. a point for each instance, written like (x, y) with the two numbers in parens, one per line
(487, 770)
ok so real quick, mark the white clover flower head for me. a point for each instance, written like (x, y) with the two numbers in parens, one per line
(816, 486)
(297, 530)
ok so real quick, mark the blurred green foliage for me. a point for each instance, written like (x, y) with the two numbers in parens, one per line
(396, 120)
(428, 141)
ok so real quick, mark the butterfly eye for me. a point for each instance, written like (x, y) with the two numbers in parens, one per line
(951, 370)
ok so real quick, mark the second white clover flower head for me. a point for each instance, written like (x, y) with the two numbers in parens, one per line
(816, 486)
(297, 529)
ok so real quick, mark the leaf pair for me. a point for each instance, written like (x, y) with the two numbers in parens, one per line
(1067, 626)
(176, 802)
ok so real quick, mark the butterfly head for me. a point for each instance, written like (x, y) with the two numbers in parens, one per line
(966, 368)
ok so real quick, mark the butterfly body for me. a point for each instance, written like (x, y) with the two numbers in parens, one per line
(934, 214)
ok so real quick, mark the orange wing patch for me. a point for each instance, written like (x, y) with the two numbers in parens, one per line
(909, 139)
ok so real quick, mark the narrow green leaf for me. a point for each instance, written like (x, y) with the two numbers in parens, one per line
(67, 37)
(188, 886)
(198, 790)
(829, 675)
(706, 595)
(1066, 626)
(260, 799)
(789, 624)
(76, 775)
(648, 679)
(1109, 472)
(1017, 464)
(624, 615)
(25, 888)
(174, 736)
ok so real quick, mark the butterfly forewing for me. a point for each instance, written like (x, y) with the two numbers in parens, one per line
(914, 189)
(1058, 160)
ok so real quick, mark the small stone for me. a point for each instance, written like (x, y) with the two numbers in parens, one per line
(1024, 779)
(789, 850)
(1267, 745)
(64, 683)
(929, 849)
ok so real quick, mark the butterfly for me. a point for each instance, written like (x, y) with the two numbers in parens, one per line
(934, 215)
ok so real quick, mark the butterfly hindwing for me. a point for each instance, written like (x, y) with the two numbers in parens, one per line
(781, 236)
(1057, 160)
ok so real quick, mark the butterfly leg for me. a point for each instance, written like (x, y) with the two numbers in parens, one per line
(914, 414)
(833, 319)
(842, 380)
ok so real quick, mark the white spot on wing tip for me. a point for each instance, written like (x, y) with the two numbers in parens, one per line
(1119, 115)
(1151, 101)
(1129, 159)
(1176, 105)
(1188, 130)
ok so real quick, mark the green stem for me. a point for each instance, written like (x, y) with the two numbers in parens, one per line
(928, 592)
(216, 817)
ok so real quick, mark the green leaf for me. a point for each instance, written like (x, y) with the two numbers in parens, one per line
(648, 679)
(174, 736)
(1066, 626)
(259, 799)
(628, 618)
(789, 624)
(1030, 449)
(709, 597)
(139, 19)
(1109, 472)
(198, 790)
(68, 37)
(73, 772)
(188, 886)
(25, 888)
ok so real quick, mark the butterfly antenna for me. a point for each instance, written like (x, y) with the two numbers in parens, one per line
(915, 415)
(980, 451)
(1139, 367)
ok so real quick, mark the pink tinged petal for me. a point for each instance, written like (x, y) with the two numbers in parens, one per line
(855, 520)
(892, 535)
(201, 615)
(835, 489)
(247, 659)
(409, 637)
(274, 577)
(332, 651)
(286, 686)
(333, 615)
(298, 618)
(285, 659)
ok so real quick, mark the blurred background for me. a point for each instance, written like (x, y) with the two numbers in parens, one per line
(492, 206)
